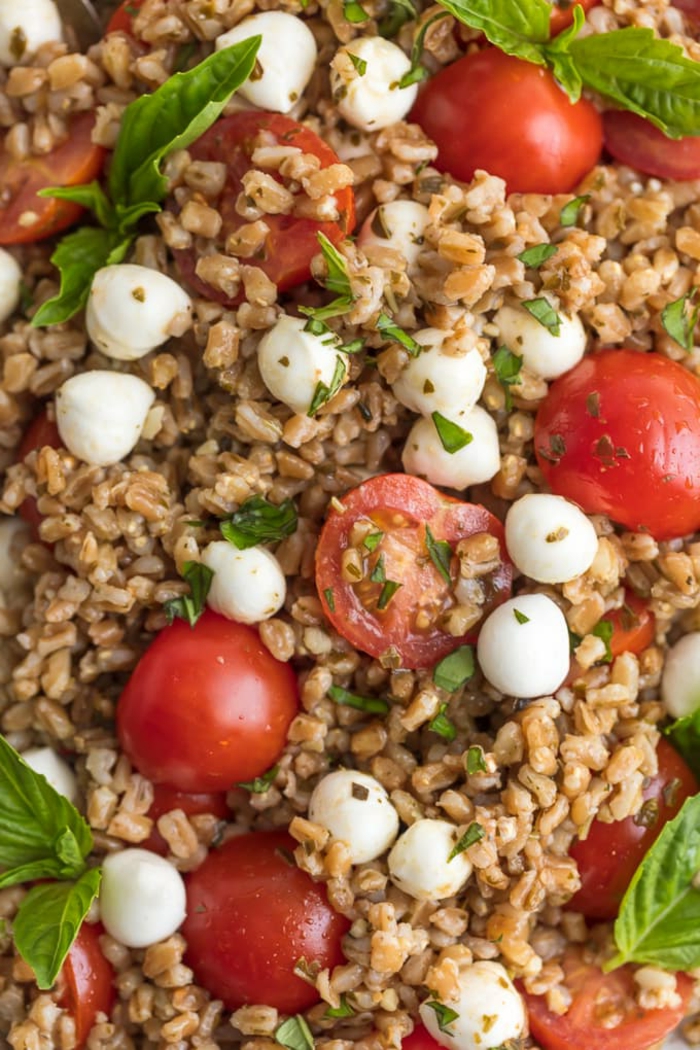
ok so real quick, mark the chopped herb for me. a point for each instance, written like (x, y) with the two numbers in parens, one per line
(260, 784)
(569, 214)
(344, 1010)
(520, 616)
(444, 1014)
(387, 593)
(400, 12)
(319, 328)
(378, 573)
(543, 311)
(604, 630)
(323, 393)
(386, 326)
(372, 541)
(330, 599)
(373, 705)
(26, 297)
(476, 763)
(418, 72)
(359, 63)
(455, 669)
(442, 725)
(507, 367)
(574, 640)
(354, 12)
(337, 281)
(440, 554)
(452, 436)
(680, 318)
(538, 254)
(295, 1034)
(474, 833)
(191, 606)
(183, 56)
(259, 521)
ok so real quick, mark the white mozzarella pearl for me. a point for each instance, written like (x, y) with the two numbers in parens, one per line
(286, 59)
(10, 284)
(59, 774)
(248, 585)
(425, 457)
(680, 682)
(418, 862)
(370, 98)
(399, 225)
(142, 897)
(355, 809)
(24, 26)
(550, 539)
(293, 362)
(14, 536)
(544, 354)
(523, 646)
(436, 381)
(132, 309)
(100, 415)
(490, 1011)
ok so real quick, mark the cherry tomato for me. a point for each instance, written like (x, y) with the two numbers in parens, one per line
(398, 510)
(206, 706)
(636, 142)
(420, 1039)
(251, 916)
(292, 242)
(611, 853)
(620, 435)
(24, 217)
(41, 431)
(634, 626)
(596, 997)
(123, 18)
(563, 13)
(166, 799)
(492, 111)
(85, 981)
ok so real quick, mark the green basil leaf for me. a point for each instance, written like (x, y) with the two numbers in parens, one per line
(36, 823)
(295, 1034)
(452, 436)
(372, 541)
(518, 27)
(373, 705)
(455, 669)
(89, 195)
(604, 630)
(520, 616)
(387, 593)
(680, 321)
(538, 254)
(644, 74)
(325, 393)
(360, 64)
(507, 367)
(190, 606)
(386, 326)
(445, 1015)
(440, 554)
(338, 279)
(78, 257)
(659, 918)
(474, 833)
(569, 214)
(330, 598)
(127, 218)
(543, 311)
(344, 1010)
(176, 114)
(558, 54)
(684, 734)
(259, 785)
(50, 868)
(48, 921)
(400, 12)
(476, 763)
(417, 72)
(354, 12)
(259, 521)
(442, 725)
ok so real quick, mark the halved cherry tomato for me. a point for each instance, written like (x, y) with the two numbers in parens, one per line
(636, 142)
(620, 435)
(292, 242)
(420, 1039)
(123, 18)
(165, 799)
(398, 510)
(611, 853)
(41, 431)
(24, 217)
(251, 916)
(85, 981)
(633, 626)
(509, 117)
(563, 13)
(206, 706)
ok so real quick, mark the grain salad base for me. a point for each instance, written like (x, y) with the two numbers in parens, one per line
(115, 540)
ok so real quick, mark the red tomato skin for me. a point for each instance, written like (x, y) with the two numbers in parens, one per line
(41, 431)
(611, 853)
(636, 142)
(646, 406)
(165, 799)
(449, 519)
(634, 626)
(420, 1039)
(86, 980)
(562, 16)
(292, 242)
(251, 915)
(123, 18)
(75, 161)
(494, 112)
(206, 706)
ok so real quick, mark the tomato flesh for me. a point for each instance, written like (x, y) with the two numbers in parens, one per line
(633, 625)
(611, 853)
(122, 20)
(420, 1039)
(494, 112)
(85, 981)
(25, 217)
(292, 242)
(398, 508)
(251, 916)
(166, 799)
(206, 706)
(636, 142)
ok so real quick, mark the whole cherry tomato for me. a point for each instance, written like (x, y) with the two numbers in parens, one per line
(251, 916)
(491, 111)
(85, 981)
(420, 1039)
(166, 799)
(206, 706)
(563, 13)
(620, 435)
(636, 142)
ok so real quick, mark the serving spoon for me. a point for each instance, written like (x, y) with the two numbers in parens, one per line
(81, 16)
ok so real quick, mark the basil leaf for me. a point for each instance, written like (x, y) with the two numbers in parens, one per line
(338, 279)
(520, 616)
(558, 54)
(507, 367)
(400, 12)
(476, 763)
(454, 669)
(176, 114)
(36, 823)
(684, 734)
(418, 72)
(518, 27)
(679, 321)
(344, 1010)
(659, 918)
(569, 214)
(440, 554)
(372, 541)
(190, 606)
(78, 257)
(442, 725)
(387, 593)
(259, 785)
(386, 326)
(604, 630)
(644, 74)
(259, 521)
(48, 921)
(89, 195)
(452, 436)
(444, 1014)
(474, 833)
(538, 254)
(295, 1034)
(543, 311)
(360, 64)
(325, 393)
(354, 12)
(330, 598)
(374, 705)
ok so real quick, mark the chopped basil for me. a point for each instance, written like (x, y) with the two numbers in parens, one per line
(323, 394)
(337, 281)
(455, 669)
(543, 311)
(569, 214)
(191, 606)
(476, 763)
(452, 436)
(318, 327)
(520, 616)
(259, 521)
(442, 725)
(507, 367)
(574, 640)
(387, 593)
(295, 1034)
(354, 12)
(684, 734)
(418, 72)
(386, 326)
(330, 598)
(373, 705)
(604, 630)
(359, 63)
(344, 1010)
(445, 1015)
(260, 784)
(538, 254)
(372, 541)
(474, 833)
(680, 318)
(440, 554)
(378, 573)
(400, 12)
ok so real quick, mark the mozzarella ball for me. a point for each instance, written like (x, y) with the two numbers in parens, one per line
(366, 90)
(10, 284)
(425, 457)
(543, 354)
(293, 362)
(436, 381)
(399, 225)
(14, 578)
(24, 26)
(142, 897)
(100, 415)
(248, 585)
(680, 681)
(356, 810)
(550, 539)
(523, 647)
(490, 1011)
(59, 774)
(286, 59)
(418, 862)
(132, 309)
